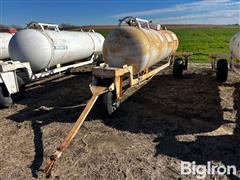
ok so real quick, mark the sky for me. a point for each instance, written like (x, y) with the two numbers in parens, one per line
(96, 12)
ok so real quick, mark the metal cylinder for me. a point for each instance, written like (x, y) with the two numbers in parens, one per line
(45, 49)
(138, 47)
(235, 45)
(4, 41)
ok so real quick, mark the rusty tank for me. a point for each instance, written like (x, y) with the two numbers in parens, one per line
(138, 43)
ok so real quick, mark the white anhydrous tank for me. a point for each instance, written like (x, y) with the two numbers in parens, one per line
(4, 41)
(235, 45)
(44, 49)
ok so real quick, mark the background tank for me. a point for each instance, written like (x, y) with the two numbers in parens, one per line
(47, 48)
(235, 45)
(5, 36)
(138, 45)
(222, 65)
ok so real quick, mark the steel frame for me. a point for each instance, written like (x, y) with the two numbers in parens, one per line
(105, 72)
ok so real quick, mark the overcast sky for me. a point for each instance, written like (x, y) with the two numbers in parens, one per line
(88, 12)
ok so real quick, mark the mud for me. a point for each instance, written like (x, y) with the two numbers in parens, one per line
(163, 123)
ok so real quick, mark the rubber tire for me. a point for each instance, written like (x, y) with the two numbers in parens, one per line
(5, 101)
(104, 106)
(222, 70)
(178, 68)
(107, 101)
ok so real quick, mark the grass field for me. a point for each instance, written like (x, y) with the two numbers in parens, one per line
(201, 41)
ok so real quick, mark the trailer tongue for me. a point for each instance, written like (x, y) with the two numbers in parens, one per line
(97, 91)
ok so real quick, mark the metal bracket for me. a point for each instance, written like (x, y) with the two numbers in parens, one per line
(9, 79)
(43, 25)
(137, 22)
(63, 68)
(142, 20)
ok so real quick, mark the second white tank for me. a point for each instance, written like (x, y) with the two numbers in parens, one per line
(4, 41)
(47, 48)
(235, 45)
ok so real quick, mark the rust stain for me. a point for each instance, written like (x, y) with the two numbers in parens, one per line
(141, 48)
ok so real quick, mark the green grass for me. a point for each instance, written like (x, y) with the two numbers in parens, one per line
(204, 41)
(103, 32)
(201, 41)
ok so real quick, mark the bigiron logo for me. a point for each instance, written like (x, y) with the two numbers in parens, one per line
(201, 171)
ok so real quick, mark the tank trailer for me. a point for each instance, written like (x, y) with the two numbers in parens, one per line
(219, 61)
(131, 54)
(43, 50)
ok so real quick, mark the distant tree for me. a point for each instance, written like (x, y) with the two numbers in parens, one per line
(2, 26)
(16, 27)
(67, 26)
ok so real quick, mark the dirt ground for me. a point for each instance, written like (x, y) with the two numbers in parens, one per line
(165, 122)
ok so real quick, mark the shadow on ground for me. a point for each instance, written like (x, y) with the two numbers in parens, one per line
(176, 111)
(165, 107)
(58, 100)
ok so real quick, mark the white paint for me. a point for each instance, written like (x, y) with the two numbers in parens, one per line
(235, 45)
(4, 41)
(45, 49)
(174, 36)
(169, 38)
(10, 81)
